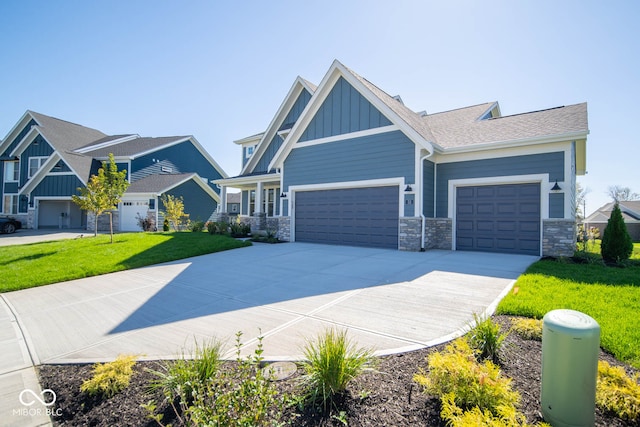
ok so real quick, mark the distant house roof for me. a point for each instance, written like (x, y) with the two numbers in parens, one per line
(158, 183)
(65, 137)
(630, 213)
(234, 197)
(131, 146)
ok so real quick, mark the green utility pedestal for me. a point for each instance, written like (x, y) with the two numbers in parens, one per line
(570, 346)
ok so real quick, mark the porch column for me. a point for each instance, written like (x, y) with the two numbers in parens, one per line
(258, 206)
(223, 199)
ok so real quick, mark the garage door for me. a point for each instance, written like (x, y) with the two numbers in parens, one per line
(499, 218)
(354, 217)
(129, 212)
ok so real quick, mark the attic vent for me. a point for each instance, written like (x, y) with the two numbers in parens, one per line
(166, 169)
(397, 98)
(422, 113)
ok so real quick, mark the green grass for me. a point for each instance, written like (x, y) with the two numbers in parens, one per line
(37, 264)
(611, 295)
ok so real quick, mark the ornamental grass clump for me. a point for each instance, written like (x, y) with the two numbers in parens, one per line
(617, 392)
(332, 361)
(110, 378)
(486, 338)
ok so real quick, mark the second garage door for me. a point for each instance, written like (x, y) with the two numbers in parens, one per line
(499, 218)
(354, 216)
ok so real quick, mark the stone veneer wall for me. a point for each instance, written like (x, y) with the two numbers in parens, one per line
(438, 233)
(103, 221)
(558, 237)
(282, 226)
(409, 234)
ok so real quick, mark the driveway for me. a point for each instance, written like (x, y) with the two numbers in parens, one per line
(388, 300)
(29, 235)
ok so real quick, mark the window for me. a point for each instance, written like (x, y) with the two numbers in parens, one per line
(269, 200)
(250, 151)
(11, 171)
(252, 202)
(10, 205)
(35, 163)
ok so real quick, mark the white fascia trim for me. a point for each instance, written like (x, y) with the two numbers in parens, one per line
(253, 139)
(384, 182)
(24, 143)
(543, 179)
(345, 136)
(247, 180)
(41, 173)
(105, 144)
(570, 136)
(193, 176)
(15, 130)
(441, 158)
(289, 100)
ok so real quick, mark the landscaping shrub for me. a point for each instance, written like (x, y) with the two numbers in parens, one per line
(508, 416)
(240, 229)
(486, 338)
(528, 329)
(165, 225)
(196, 226)
(110, 378)
(178, 378)
(617, 392)
(332, 361)
(210, 394)
(616, 243)
(147, 223)
(456, 371)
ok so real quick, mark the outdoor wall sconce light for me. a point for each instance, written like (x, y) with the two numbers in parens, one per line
(408, 188)
(283, 195)
(556, 187)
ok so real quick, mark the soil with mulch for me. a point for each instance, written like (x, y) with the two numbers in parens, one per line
(387, 397)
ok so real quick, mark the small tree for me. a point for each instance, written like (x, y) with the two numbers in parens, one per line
(174, 209)
(616, 243)
(103, 192)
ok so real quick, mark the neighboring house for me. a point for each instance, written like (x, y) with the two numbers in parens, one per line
(346, 163)
(233, 203)
(630, 214)
(44, 160)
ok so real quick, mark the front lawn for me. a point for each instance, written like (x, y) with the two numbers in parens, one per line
(611, 295)
(27, 266)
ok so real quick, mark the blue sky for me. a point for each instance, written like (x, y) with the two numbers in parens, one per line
(219, 70)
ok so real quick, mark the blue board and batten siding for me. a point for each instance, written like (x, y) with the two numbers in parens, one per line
(25, 130)
(385, 155)
(287, 123)
(197, 203)
(547, 163)
(38, 148)
(185, 158)
(57, 185)
(344, 110)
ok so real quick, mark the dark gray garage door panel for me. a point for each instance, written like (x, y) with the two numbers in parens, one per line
(499, 218)
(353, 216)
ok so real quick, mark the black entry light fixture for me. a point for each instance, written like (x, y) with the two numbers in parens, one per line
(408, 188)
(283, 195)
(556, 187)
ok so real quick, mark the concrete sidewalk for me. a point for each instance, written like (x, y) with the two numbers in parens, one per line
(388, 300)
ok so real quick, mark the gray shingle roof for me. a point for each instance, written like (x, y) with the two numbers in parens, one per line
(462, 127)
(630, 212)
(65, 137)
(158, 183)
(132, 147)
(459, 128)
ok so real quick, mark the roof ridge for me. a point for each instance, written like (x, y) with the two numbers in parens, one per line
(62, 120)
(461, 108)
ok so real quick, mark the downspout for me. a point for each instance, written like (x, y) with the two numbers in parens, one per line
(424, 218)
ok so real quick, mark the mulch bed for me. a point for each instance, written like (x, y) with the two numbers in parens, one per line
(388, 397)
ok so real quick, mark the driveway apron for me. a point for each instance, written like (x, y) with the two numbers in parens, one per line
(388, 300)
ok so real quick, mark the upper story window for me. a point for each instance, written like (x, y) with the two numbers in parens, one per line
(250, 151)
(11, 171)
(35, 163)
